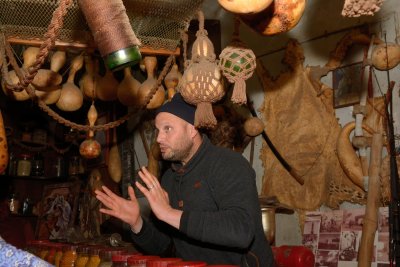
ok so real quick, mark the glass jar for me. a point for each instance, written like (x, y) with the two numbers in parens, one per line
(140, 260)
(188, 264)
(59, 253)
(24, 165)
(106, 256)
(94, 258)
(51, 253)
(82, 256)
(69, 256)
(119, 260)
(162, 262)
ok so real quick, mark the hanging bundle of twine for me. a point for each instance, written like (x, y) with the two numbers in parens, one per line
(112, 32)
(201, 82)
(237, 63)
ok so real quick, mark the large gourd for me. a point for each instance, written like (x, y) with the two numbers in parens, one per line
(89, 80)
(128, 88)
(3, 146)
(13, 79)
(150, 83)
(153, 159)
(107, 87)
(245, 6)
(386, 56)
(52, 95)
(281, 16)
(171, 80)
(114, 160)
(45, 79)
(71, 98)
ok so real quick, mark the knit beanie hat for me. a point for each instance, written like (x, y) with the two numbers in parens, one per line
(178, 107)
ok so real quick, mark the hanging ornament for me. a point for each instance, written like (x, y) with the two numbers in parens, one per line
(90, 148)
(237, 63)
(201, 82)
(172, 79)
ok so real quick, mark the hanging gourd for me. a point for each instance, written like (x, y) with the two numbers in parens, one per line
(89, 81)
(171, 80)
(90, 148)
(11, 78)
(245, 6)
(279, 17)
(107, 87)
(128, 89)
(3, 146)
(386, 56)
(71, 98)
(201, 82)
(53, 93)
(237, 63)
(158, 98)
(45, 79)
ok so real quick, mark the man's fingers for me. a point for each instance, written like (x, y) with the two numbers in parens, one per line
(131, 193)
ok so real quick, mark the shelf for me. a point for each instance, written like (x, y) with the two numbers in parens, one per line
(41, 178)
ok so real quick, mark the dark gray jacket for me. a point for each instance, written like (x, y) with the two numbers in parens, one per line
(221, 221)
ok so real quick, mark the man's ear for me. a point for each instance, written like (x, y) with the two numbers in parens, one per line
(192, 130)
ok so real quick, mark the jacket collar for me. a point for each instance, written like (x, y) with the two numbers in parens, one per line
(180, 169)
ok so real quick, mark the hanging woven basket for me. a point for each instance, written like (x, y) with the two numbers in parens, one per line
(201, 83)
(237, 63)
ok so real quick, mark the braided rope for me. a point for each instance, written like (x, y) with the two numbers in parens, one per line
(26, 79)
(49, 42)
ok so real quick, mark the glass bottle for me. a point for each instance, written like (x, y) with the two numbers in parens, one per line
(12, 165)
(59, 166)
(38, 165)
(13, 203)
(73, 168)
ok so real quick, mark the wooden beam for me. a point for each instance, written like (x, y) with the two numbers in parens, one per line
(90, 47)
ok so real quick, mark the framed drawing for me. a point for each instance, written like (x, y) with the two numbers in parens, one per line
(347, 85)
(57, 210)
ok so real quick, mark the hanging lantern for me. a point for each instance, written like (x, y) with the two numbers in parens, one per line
(237, 63)
(201, 82)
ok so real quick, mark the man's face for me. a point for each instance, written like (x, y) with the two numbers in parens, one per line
(173, 137)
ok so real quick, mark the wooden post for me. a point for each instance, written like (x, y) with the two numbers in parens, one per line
(371, 210)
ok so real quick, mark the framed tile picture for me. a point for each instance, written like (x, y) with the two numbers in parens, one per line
(57, 210)
(347, 85)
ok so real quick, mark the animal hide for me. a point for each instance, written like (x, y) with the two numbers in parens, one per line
(300, 121)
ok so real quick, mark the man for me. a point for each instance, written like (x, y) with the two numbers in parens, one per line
(207, 201)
